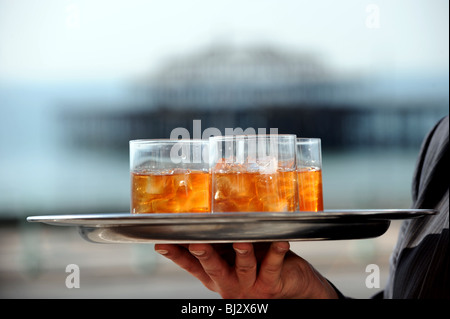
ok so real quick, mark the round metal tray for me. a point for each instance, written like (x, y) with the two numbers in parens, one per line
(232, 227)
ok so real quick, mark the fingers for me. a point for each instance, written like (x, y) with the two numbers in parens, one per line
(182, 257)
(245, 264)
(272, 264)
(209, 265)
(213, 264)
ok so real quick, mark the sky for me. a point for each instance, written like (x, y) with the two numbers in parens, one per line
(111, 39)
(50, 44)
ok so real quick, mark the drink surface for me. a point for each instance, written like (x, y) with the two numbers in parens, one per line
(255, 192)
(171, 191)
(310, 189)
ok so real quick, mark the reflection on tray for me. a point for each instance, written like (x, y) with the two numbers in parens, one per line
(231, 227)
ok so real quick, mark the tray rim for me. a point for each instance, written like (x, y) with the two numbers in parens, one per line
(125, 219)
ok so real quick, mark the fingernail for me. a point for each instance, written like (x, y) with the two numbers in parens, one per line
(198, 252)
(281, 249)
(162, 251)
(241, 251)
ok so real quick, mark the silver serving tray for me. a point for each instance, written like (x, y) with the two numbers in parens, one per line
(231, 227)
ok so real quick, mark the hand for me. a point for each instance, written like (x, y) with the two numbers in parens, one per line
(244, 270)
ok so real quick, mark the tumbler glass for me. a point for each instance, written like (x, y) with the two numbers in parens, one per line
(254, 173)
(309, 168)
(170, 176)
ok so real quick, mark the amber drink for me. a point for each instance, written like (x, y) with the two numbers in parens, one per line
(254, 173)
(309, 169)
(169, 177)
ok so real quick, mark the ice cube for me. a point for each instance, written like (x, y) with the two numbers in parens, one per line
(158, 185)
(267, 165)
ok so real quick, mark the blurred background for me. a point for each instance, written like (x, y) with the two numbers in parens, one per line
(79, 79)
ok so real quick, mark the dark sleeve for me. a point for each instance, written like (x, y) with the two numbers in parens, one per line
(422, 268)
(431, 178)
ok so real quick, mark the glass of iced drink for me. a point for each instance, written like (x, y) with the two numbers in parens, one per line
(170, 176)
(254, 173)
(309, 168)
